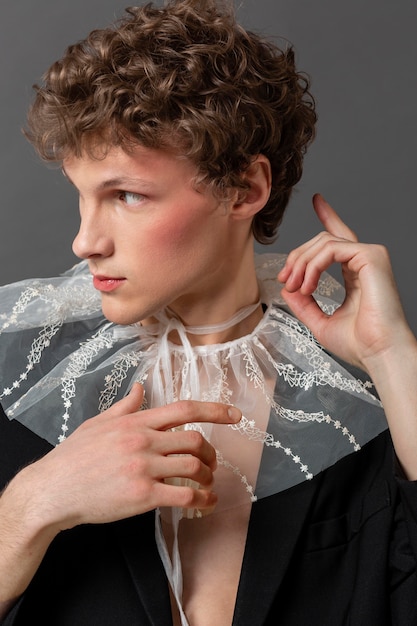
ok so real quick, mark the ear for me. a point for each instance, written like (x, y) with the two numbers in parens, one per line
(252, 200)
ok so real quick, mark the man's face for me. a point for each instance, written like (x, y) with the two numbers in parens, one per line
(151, 239)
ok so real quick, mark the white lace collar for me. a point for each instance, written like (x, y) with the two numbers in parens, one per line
(62, 362)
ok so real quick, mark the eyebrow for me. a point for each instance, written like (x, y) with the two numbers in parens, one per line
(121, 181)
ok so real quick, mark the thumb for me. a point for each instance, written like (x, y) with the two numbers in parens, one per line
(306, 309)
(135, 396)
(130, 403)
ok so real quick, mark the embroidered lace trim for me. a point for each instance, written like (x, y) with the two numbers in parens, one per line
(62, 362)
(297, 400)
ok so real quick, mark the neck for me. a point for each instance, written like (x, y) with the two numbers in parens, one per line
(232, 287)
(240, 324)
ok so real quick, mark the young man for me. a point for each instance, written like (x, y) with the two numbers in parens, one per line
(181, 443)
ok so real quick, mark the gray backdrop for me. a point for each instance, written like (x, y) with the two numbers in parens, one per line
(362, 58)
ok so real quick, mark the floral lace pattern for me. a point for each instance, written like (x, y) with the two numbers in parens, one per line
(62, 363)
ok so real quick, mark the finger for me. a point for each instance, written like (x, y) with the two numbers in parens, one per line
(189, 467)
(296, 253)
(308, 268)
(183, 497)
(306, 309)
(136, 394)
(189, 411)
(334, 227)
(129, 404)
(188, 442)
(298, 261)
(331, 220)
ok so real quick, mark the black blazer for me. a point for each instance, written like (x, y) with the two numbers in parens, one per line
(338, 550)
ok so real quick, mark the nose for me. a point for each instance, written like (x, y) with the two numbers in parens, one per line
(94, 235)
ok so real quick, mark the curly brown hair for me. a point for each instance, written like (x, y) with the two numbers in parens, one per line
(187, 77)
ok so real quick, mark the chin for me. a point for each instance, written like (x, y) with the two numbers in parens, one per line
(120, 316)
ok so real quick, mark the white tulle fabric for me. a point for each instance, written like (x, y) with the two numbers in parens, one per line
(62, 362)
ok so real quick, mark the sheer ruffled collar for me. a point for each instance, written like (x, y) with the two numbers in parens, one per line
(61, 362)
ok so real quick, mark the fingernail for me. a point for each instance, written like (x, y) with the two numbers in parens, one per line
(234, 413)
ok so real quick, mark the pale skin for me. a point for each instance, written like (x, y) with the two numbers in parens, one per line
(157, 205)
(369, 330)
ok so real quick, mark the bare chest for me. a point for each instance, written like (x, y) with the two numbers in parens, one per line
(211, 552)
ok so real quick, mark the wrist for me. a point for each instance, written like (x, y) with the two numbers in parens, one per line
(397, 358)
(25, 535)
(24, 501)
(394, 374)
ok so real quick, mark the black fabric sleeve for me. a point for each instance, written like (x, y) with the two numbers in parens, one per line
(18, 447)
(408, 491)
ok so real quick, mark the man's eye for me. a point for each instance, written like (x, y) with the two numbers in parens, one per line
(128, 197)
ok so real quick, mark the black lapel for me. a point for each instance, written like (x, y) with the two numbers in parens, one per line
(274, 527)
(137, 539)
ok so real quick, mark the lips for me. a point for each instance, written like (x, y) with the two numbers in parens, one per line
(107, 283)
